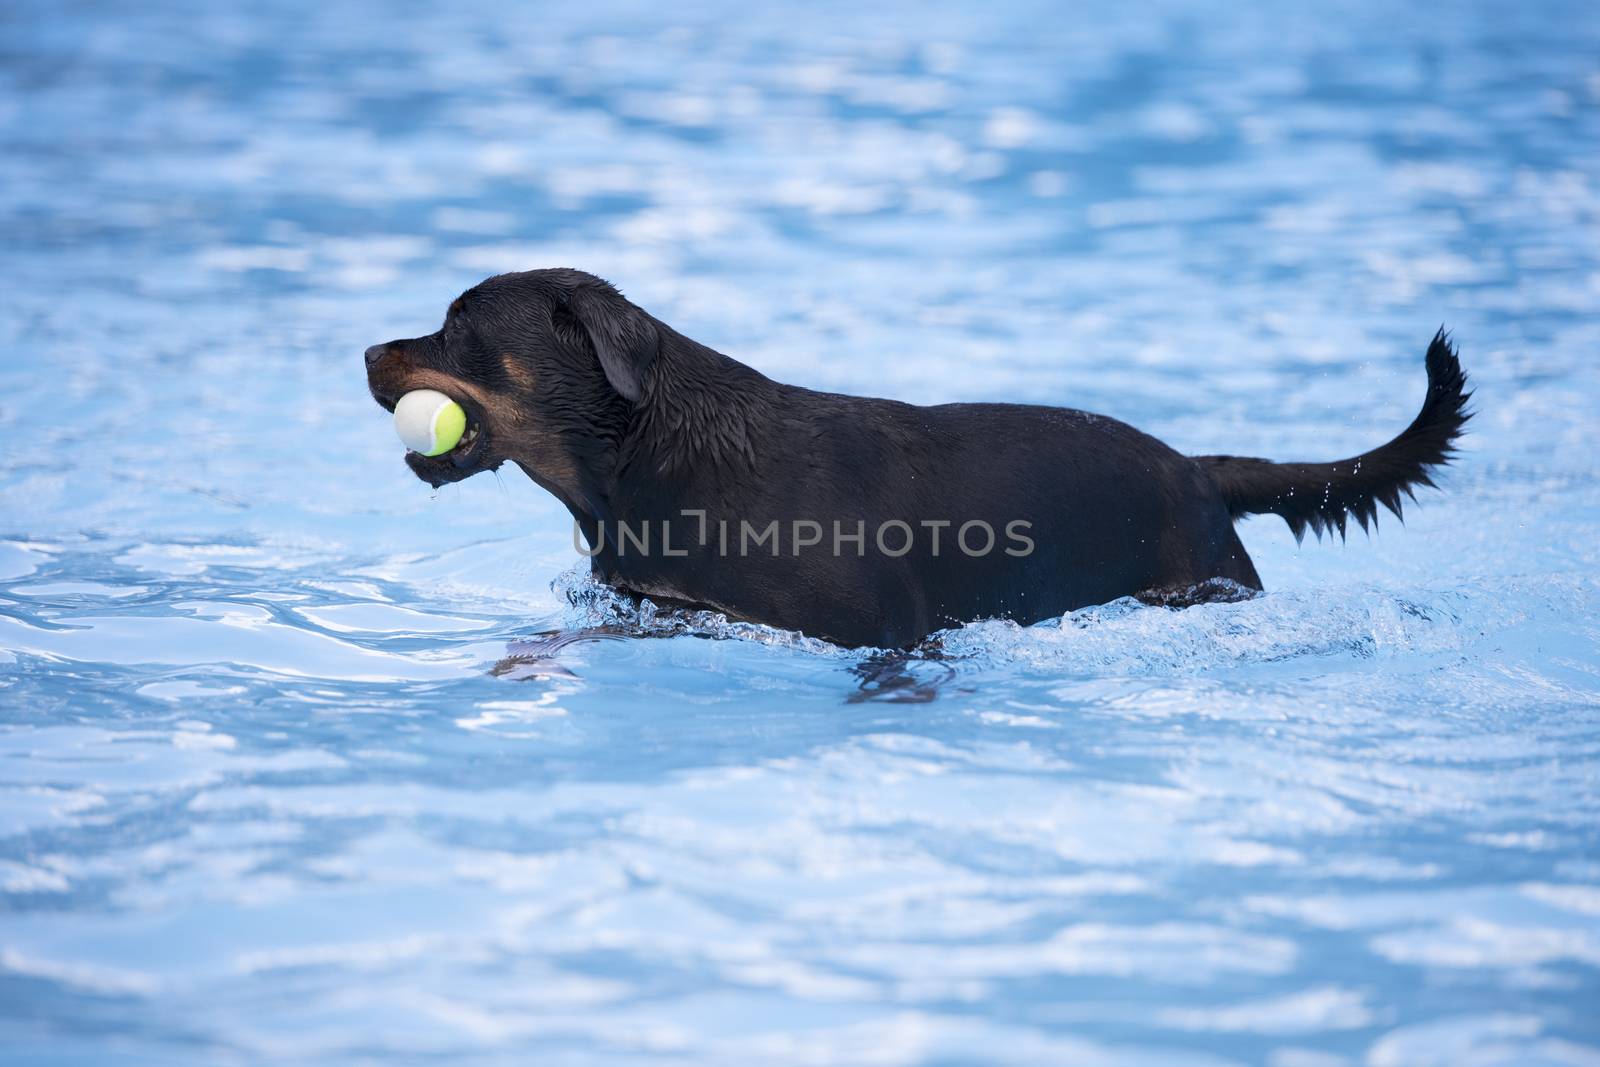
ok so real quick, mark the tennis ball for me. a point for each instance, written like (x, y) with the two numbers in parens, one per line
(429, 422)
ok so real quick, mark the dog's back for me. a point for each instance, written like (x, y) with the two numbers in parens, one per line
(921, 518)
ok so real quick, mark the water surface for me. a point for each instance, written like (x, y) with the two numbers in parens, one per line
(282, 777)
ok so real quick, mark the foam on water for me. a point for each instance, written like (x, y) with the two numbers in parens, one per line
(302, 761)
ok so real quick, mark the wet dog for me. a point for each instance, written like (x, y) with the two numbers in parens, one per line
(697, 482)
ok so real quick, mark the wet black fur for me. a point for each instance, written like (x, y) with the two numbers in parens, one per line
(1324, 496)
(623, 418)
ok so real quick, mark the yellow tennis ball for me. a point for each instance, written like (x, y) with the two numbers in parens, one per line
(429, 422)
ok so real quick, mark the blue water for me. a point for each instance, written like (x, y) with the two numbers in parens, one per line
(286, 773)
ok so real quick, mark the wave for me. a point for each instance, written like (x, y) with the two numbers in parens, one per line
(1127, 637)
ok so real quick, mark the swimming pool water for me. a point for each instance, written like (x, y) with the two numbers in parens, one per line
(288, 772)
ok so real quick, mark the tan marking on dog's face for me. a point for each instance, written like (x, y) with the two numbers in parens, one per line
(519, 372)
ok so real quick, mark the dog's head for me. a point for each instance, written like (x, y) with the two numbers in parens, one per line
(547, 365)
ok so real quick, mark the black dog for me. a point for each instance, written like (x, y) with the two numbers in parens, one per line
(698, 482)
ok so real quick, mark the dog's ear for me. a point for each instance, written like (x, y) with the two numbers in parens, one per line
(624, 338)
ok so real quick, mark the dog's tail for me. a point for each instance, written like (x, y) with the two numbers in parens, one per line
(1324, 495)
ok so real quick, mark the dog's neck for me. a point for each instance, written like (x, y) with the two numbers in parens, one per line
(698, 411)
(696, 417)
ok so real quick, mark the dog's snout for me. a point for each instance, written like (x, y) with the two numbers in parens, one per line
(375, 353)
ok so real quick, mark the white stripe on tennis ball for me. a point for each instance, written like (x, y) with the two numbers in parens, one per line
(429, 422)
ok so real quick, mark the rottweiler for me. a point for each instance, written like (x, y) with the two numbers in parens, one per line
(698, 482)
